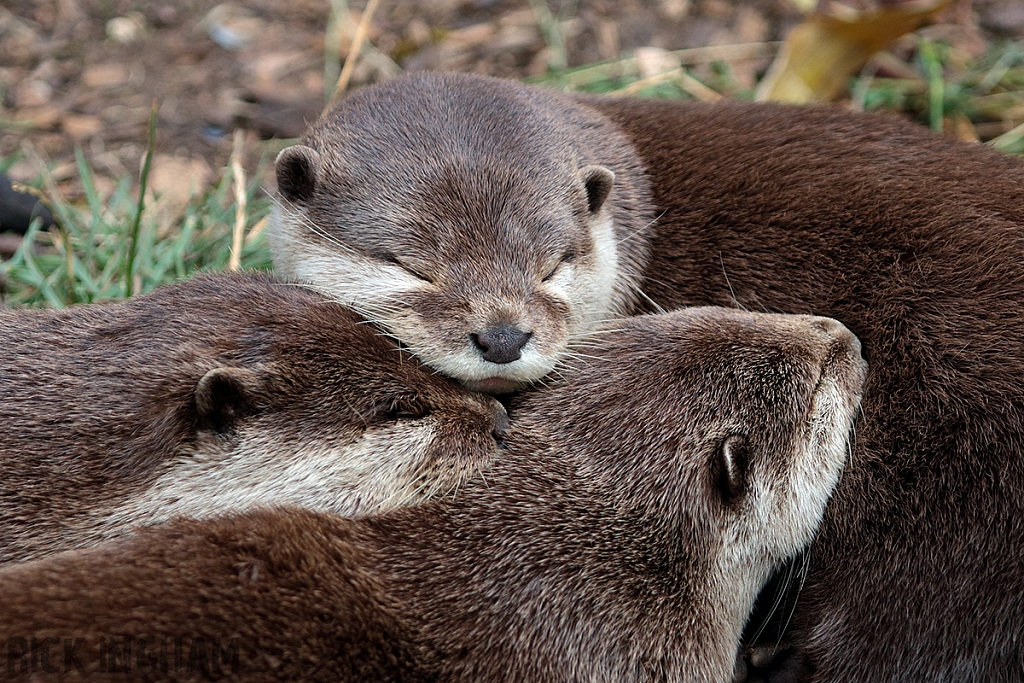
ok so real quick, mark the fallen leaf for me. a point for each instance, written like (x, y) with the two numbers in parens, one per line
(823, 51)
(957, 125)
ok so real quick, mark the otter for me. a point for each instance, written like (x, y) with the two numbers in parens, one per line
(906, 237)
(644, 498)
(487, 249)
(214, 394)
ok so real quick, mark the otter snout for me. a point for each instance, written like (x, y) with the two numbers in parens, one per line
(502, 344)
(840, 353)
(839, 334)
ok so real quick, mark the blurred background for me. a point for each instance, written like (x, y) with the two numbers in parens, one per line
(230, 84)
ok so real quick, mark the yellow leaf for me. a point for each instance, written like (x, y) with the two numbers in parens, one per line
(822, 52)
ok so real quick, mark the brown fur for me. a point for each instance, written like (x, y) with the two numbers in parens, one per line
(103, 405)
(441, 231)
(910, 239)
(642, 503)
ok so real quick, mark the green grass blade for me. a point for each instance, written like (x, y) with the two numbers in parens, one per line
(133, 238)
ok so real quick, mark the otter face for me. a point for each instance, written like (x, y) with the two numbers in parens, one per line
(779, 495)
(334, 419)
(487, 225)
(483, 285)
(215, 394)
(724, 429)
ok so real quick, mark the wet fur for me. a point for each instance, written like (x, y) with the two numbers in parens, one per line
(618, 539)
(217, 394)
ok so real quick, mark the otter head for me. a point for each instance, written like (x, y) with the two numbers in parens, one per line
(718, 436)
(319, 411)
(482, 223)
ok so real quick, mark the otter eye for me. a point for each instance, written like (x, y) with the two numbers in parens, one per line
(406, 408)
(388, 257)
(567, 257)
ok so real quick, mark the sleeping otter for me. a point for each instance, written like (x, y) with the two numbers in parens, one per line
(495, 195)
(617, 539)
(488, 248)
(217, 394)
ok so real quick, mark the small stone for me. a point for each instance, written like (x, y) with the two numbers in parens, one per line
(418, 32)
(33, 93)
(651, 61)
(232, 27)
(750, 26)
(42, 118)
(127, 29)
(80, 126)
(1006, 17)
(674, 10)
(167, 14)
(177, 179)
(105, 75)
(475, 34)
(512, 38)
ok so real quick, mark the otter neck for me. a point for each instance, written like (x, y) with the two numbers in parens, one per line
(593, 586)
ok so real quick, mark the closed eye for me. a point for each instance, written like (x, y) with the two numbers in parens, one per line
(405, 408)
(388, 257)
(567, 257)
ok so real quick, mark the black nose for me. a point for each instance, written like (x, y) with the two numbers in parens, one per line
(501, 344)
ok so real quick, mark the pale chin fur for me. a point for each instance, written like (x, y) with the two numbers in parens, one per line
(375, 290)
(788, 512)
(373, 472)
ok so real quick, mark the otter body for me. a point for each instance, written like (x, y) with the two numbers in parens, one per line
(618, 539)
(910, 239)
(216, 394)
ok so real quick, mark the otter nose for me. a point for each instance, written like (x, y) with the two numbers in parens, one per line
(501, 344)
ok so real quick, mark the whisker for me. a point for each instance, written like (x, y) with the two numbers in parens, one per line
(594, 333)
(805, 564)
(640, 230)
(299, 217)
(776, 601)
(652, 302)
(732, 292)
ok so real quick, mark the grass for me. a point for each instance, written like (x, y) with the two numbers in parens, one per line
(113, 246)
(87, 259)
(988, 92)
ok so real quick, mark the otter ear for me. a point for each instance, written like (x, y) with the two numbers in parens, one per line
(226, 395)
(729, 469)
(598, 181)
(297, 170)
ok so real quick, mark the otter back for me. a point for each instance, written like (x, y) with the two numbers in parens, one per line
(911, 240)
(215, 394)
(644, 499)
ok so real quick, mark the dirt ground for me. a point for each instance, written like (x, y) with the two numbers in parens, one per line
(84, 73)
